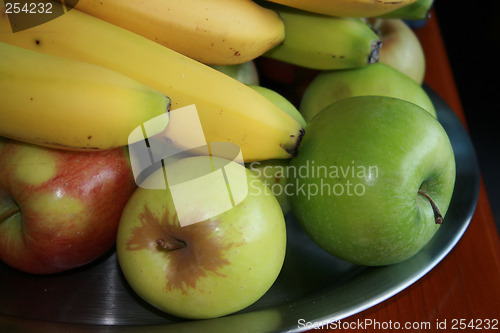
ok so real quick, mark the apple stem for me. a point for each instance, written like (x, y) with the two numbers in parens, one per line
(171, 244)
(437, 214)
(4, 215)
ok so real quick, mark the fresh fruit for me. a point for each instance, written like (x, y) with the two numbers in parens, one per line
(274, 174)
(377, 176)
(245, 73)
(210, 268)
(401, 47)
(229, 110)
(348, 8)
(216, 32)
(59, 209)
(281, 102)
(418, 10)
(377, 79)
(70, 104)
(324, 42)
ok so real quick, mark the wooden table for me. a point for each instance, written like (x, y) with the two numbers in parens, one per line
(464, 288)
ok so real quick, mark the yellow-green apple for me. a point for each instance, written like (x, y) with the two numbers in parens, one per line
(223, 260)
(376, 79)
(401, 48)
(274, 174)
(280, 101)
(245, 72)
(59, 209)
(374, 178)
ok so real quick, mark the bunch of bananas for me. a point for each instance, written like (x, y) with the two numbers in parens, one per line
(86, 79)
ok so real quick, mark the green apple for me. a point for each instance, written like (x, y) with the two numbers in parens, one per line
(59, 209)
(245, 72)
(280, 101)
(376, 79)
(274, 174)
(372, 180)
(220, 262)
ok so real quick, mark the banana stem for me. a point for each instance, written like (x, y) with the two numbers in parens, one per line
(437, 214)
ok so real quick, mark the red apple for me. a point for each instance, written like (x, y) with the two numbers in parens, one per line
(59, 209)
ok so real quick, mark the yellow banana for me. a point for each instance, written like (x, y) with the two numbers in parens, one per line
(216, 32)
(229, 111)
(64, 103)
(347, 8)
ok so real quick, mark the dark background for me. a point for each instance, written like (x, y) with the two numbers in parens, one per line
(471, 34)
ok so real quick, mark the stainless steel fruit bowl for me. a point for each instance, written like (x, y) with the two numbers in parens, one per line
(313, 287)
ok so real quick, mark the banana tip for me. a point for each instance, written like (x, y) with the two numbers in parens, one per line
(295, 149)
(375, 51)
